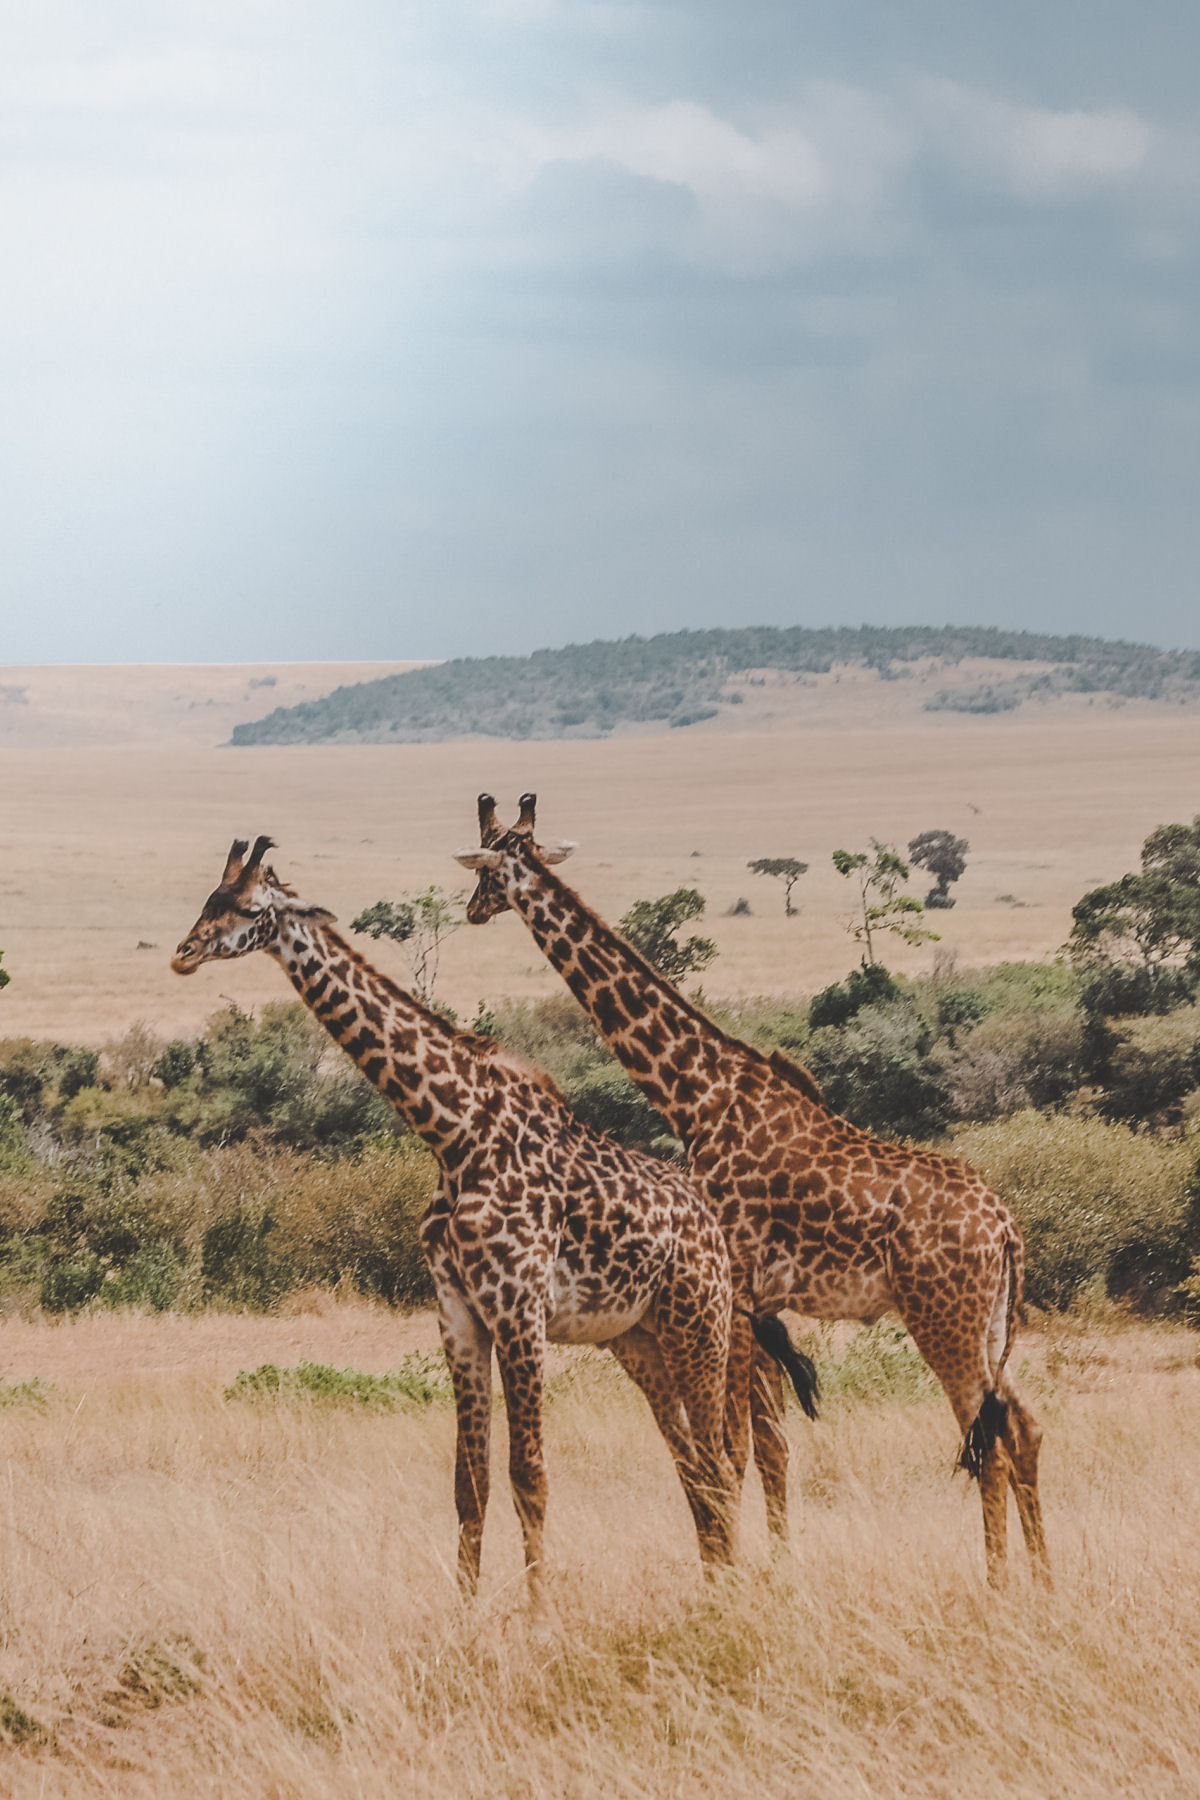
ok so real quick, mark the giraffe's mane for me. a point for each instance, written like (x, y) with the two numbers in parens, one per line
(484, 1049)
(780, 1065)
(798, 1075)
(490, 1051)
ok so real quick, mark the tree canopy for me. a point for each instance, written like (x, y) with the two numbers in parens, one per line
(653, 927)
(787, 869)
(944, 856)
(878, 874)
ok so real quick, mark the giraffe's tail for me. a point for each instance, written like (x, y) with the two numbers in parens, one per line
(771, 1335)
(991, 1421)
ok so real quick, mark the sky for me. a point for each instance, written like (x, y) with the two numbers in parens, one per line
(425, 328)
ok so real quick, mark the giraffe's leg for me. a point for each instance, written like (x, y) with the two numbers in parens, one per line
(468, 1350)
(957, 1353)
(737, 1394)
(521, 1355)
(769, 1438)
(1023, 1438)
(704, 1476)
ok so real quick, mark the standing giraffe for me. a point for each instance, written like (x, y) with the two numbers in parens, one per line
(541, 1228)
(818, 1215)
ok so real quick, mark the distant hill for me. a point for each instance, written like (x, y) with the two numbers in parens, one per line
(683, 677)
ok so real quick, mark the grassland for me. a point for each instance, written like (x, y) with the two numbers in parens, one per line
(108, 847)
(209, 1597)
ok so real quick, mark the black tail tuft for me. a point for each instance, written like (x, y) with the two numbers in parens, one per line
(771, 1335)
(981, 1438)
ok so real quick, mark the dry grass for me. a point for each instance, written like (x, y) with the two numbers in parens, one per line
(107, 848)
(205, 1598)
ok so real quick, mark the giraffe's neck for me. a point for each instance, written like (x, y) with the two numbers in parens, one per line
(674, 1054)
(430, 1072)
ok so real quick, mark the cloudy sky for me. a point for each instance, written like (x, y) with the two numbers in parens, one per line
(428, 327)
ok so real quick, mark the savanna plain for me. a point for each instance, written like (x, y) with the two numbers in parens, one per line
(221, 1582)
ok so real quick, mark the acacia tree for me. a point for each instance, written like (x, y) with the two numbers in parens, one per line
(878, 874)
(5, 977)
(653, 927)
(420, 923)
(787, 869)
(1137, 940)
(945, 857)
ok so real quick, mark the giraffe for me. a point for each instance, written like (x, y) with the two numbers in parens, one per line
(541, 1229)
(818, 1215)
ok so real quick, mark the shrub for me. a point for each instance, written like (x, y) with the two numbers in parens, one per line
(1102, 1209)
(878, 1071)
(605, 1099)
(1152, 1064)
(870, 985)
(419, 1381)
(879, 1364)
(1009, 1061)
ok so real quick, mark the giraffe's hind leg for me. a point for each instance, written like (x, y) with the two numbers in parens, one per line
(468, 1350)
(1023, 1439)
(521, 1356)
(955, 1347)
(769, 1438)
(706, 1480)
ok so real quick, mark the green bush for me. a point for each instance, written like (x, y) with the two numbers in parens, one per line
(419, 1381)
(879, 1364)
(1103, 1210)
(878, 1071)
(1152, 1064)
(871, 985)
(1037, 1056)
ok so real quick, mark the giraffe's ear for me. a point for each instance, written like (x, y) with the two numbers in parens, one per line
(556, 853)
(478, 859)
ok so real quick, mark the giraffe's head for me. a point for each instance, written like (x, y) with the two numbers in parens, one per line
(502, 855)
(242, 914)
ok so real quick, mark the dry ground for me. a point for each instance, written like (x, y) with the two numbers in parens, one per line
(255, 1602)
(109, 847)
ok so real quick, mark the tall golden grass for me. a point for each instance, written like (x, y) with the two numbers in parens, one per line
(205, 1597)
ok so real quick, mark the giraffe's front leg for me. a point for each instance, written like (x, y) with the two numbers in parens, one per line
(468, 1348)
(521, 1355)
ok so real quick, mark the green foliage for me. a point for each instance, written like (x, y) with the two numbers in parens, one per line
(1103, 1210)
(1151, 1064)
(787, 869)
(5, 977)
(653, 927)
(34, 1393)
(420, 923)
(870, 985)
(420, 1381)
(1137, 940)
(878, 1071)
(606, 1100)
(959, 1008)
(945, 857)
(176, 1064)
(877, 875)
(679, 678)
(1009, 1060)
(879, 1365)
